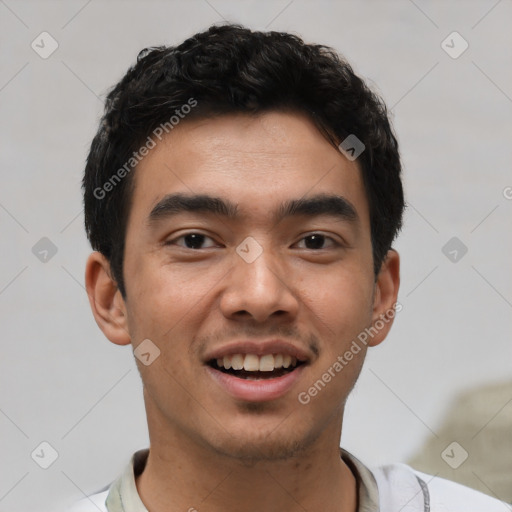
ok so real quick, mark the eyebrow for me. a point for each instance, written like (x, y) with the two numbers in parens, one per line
(322, 204)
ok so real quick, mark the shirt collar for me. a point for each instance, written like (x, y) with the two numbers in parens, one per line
(123, 495)
(367, 489)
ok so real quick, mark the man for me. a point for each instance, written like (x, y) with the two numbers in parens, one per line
(242, 195)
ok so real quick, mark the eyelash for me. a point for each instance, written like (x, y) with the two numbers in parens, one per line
(172, 242)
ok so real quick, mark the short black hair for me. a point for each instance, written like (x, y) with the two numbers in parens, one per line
(230, 69)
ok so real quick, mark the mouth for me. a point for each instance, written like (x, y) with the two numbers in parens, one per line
(254, 367)
(257, 371)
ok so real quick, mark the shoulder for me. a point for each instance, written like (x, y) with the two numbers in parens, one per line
(400, 485)
(93, 503)
(451, 496)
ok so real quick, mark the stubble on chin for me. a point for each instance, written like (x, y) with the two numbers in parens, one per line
(283, 442)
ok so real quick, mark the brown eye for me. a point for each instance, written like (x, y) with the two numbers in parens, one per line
(316, 241)
(191, 241)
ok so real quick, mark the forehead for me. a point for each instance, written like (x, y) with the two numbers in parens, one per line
(256, 161)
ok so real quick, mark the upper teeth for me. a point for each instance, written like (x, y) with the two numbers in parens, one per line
(254, 363)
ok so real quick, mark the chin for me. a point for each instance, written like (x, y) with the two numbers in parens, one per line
(264, 445)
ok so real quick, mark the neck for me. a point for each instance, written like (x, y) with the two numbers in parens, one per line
(183, 475)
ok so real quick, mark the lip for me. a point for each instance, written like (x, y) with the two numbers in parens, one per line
(262, 390)
(259, 348)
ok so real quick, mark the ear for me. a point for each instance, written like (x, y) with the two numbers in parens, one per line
(385, 298)
(107, 304)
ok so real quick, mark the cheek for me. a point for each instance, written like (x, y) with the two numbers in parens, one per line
(339, 309)
(343, 296)
(165, 298)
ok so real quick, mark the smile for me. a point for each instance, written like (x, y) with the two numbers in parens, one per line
(254, 367)
(256, 385)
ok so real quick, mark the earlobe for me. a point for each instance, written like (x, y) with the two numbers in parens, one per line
(385, 297)
(107, 304)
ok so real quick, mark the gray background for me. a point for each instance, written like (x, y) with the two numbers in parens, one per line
(62, 382)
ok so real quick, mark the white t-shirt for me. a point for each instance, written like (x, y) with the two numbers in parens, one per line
(391, 488)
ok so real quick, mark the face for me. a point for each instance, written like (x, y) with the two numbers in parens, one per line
(274, 270)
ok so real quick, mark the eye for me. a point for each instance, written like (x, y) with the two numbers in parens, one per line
(316, 241)
(192, 241)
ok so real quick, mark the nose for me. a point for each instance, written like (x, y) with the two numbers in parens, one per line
(260, 289)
